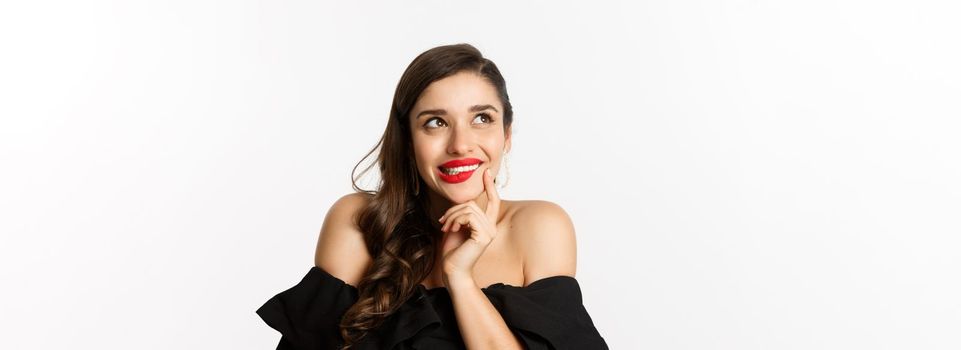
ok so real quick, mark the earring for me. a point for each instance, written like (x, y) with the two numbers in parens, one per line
(507, 170)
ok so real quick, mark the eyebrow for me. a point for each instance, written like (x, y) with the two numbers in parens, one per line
(474, 108)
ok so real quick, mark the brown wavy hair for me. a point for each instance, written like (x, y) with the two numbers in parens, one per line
(395, 223)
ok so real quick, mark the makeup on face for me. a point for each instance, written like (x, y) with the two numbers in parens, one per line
(458, 170)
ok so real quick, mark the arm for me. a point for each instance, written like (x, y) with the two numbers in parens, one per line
(549, 248)
(548, 241)
(341, 250)
(480, 324)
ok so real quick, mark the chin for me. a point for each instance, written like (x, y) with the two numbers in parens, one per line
(464, 196)
(461, 199)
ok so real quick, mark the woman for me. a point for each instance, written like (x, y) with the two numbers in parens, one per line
(435, 259)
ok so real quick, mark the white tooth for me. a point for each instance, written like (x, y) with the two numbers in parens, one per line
(458, 170)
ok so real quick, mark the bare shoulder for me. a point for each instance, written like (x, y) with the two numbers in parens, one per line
(341, 250)
(544, 234)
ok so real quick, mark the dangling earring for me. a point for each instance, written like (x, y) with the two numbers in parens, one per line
(507, 169)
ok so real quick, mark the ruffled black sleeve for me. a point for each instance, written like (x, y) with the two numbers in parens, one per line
(547, 314)
(308, 314)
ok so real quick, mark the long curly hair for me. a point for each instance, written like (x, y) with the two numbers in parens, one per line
(395, 223)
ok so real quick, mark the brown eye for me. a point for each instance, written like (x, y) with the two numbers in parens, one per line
(426, 125)
(485, 115)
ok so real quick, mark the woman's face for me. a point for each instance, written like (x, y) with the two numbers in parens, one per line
(458, 118)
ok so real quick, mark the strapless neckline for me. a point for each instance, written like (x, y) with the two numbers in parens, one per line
(547, 313)
(495, 285)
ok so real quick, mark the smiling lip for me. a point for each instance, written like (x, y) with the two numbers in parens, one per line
(456, 178)
(459, 177)
(461, 162)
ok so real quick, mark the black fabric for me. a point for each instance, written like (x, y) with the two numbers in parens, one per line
(547, 314)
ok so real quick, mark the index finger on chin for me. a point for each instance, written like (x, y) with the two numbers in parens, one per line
(493, 199)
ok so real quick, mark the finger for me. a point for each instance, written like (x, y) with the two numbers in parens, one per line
(451, 210)
(461, 220)
(456, 226)
(470, 220)
(470, 210)
(446, 214)
(447, 222)
(451, 215)
(493, 199)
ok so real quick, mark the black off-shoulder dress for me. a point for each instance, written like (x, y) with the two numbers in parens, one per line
(546, 314)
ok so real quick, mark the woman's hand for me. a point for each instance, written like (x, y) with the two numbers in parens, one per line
(469, 230)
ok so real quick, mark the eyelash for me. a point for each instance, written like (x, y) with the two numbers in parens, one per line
(491, 119)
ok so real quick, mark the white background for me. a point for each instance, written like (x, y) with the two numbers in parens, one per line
(741, 174)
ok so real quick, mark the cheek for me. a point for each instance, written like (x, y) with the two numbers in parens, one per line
(425, 154)
(495, 147)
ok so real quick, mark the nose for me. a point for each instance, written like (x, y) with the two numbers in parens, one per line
(461, 140)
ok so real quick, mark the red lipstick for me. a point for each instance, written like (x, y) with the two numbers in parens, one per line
(461, 162)
(459, 177)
